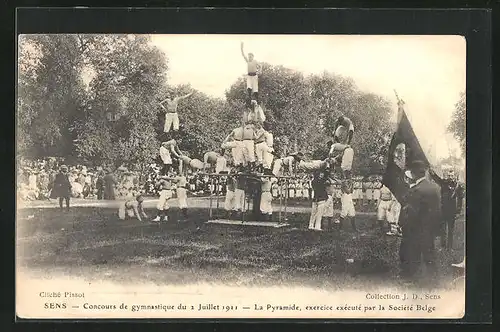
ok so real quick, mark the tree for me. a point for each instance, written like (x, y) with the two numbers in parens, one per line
(284, 95)
(205, 121)
(303, 112)
(457, 124)
(128, 74)
(50, 94)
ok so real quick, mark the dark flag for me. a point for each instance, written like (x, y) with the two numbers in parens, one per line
(397, 164)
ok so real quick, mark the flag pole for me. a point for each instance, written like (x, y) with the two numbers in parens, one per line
(400, 106)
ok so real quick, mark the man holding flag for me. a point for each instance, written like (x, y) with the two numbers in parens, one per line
(420, 201)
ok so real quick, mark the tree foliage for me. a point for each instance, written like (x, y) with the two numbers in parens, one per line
(128, 73)
(50, 93)
(457, 124)
(96, 97)
(303, 111)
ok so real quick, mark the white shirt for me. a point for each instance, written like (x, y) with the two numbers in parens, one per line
(165, 154)
(269, 139)
(417, 182)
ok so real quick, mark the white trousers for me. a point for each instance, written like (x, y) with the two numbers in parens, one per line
(171, 120)
(357, 194)
(182, 198)
(369, 194)
(229, 203)
(347, 159)
(266, 200)
(236, 151)
(253, 83)
(383, 212)
(248, 151)
(261, 151)
(277, 167)
(317, 211)
(328, 212)
(239, 200)
(347, 206)
(395, 211)
(165, 195)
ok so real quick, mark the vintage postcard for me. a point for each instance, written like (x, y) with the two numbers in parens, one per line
(240, 176)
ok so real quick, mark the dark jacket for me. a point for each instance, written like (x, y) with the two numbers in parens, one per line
(319, 184)
(61, 186)
(421, 213)
(448, 199)
(109, 186)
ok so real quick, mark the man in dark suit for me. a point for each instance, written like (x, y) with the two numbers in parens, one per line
(420, 221)
(61, 188)
(448, 206)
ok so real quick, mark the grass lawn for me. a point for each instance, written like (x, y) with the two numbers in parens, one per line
(92, 243)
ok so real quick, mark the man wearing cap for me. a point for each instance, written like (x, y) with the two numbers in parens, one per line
(420, 221)
(344, 123)
(61, 187)
(171, 115)
(253, 69)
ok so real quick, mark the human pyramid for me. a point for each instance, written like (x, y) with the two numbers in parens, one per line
(248, 151)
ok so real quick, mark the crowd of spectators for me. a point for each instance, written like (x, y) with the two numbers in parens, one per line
(35, 178)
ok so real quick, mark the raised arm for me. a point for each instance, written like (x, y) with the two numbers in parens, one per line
(243, 53)
(436, 178)
(228, 137)
(185, 96)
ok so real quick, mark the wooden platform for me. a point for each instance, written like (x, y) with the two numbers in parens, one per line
(248, 223)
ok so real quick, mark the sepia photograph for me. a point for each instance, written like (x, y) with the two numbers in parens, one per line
(240, 176)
